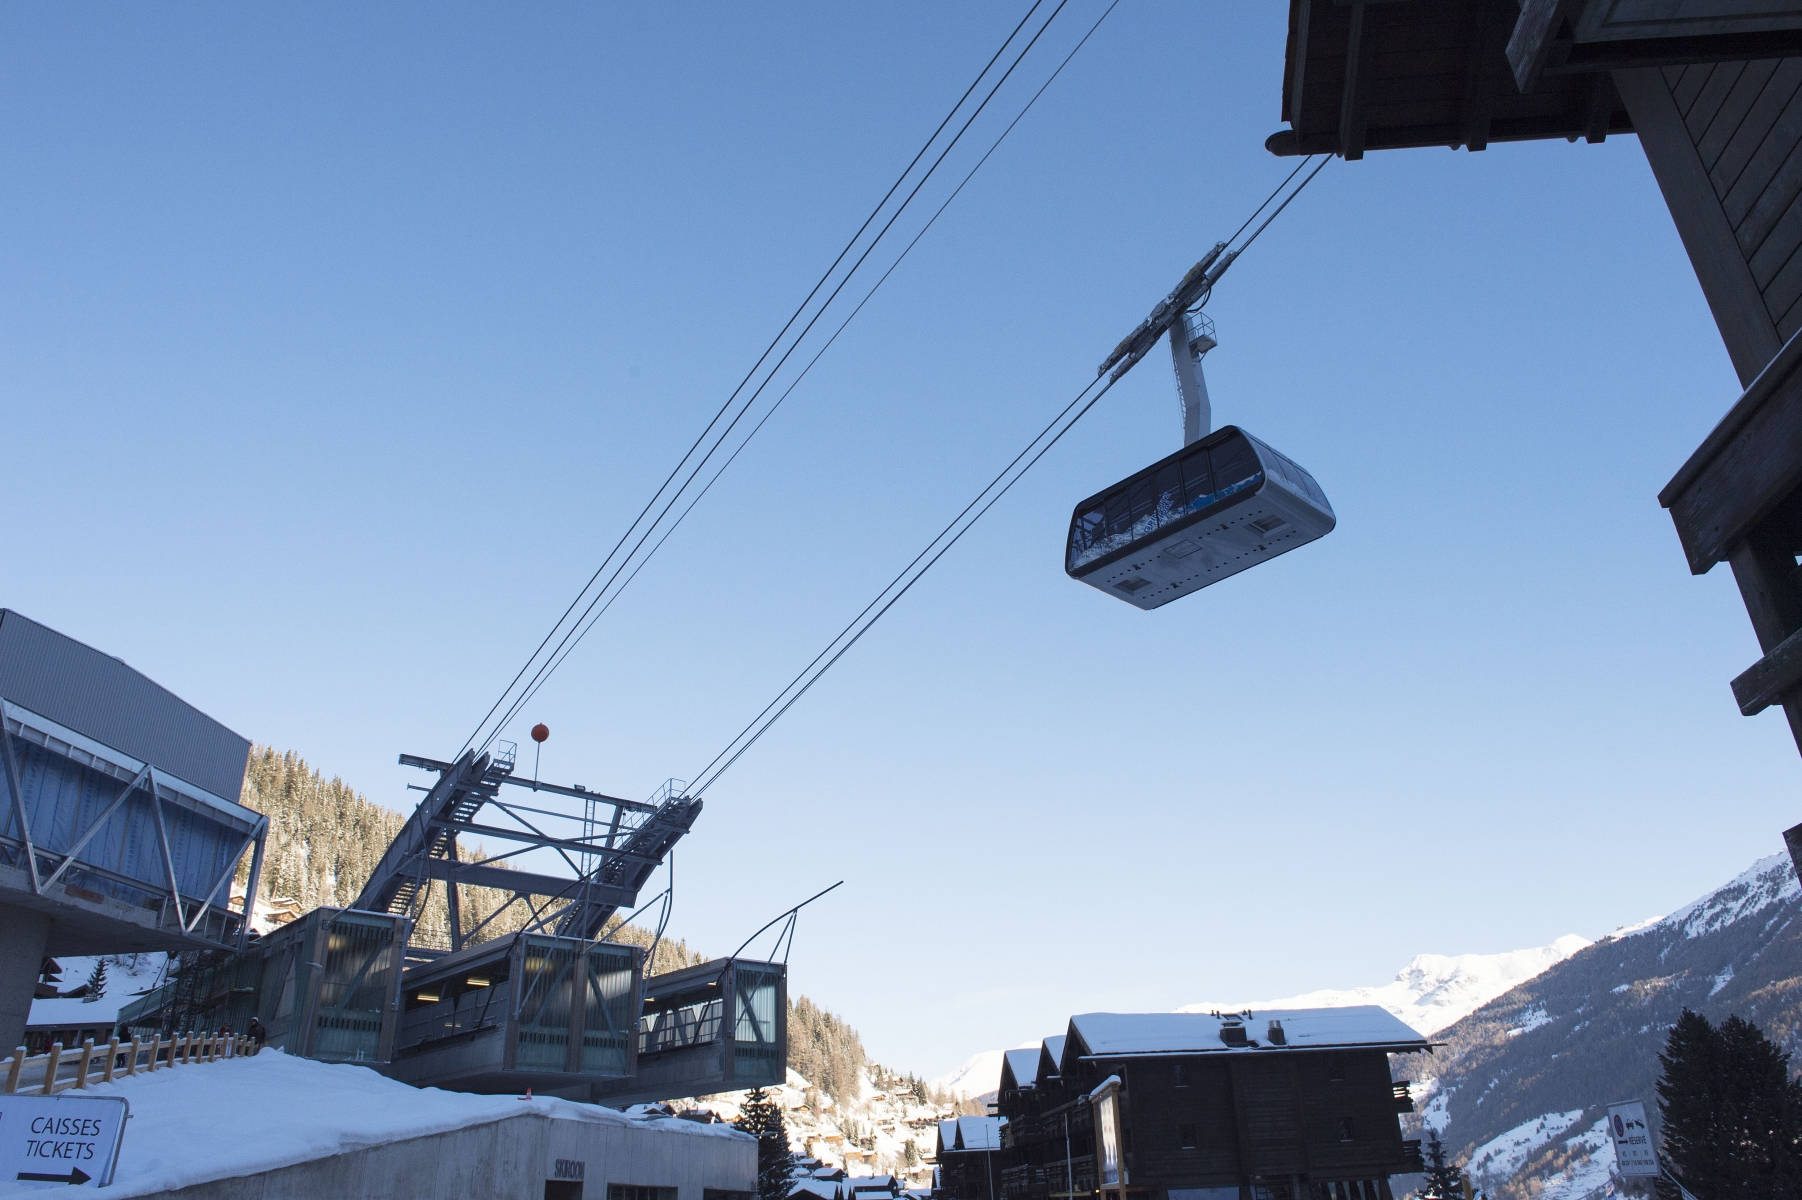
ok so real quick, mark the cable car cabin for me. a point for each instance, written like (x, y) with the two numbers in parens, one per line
(717, 1027)
(1212, 509)
(528, 1011)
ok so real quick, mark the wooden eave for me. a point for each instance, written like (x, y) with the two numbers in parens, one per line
(1401, 73)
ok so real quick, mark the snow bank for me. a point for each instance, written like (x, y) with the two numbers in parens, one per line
(206, 1121)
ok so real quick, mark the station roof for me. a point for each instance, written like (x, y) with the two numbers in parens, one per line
(98, 696)
(1125, 1035)
(1381, 76)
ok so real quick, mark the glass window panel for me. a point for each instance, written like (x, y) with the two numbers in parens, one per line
(756, 1018)
(1168, 483)
(1198, 480)
(360, 961)
(608, 1015)
(547, 985)
(1235, 466)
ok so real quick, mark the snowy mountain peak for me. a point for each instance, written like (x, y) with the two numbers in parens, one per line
(1433, 990)
(1753, 890)
(979, 1075)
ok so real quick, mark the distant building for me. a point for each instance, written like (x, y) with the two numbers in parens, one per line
(968, 1153)
(1286, 1105)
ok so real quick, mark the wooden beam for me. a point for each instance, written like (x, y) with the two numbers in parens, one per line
(1530, 45)
(1297, 62)
(1766, 681)
(1488, 36)
(1354, 104)
(1720, 265)
(1748, 465)
(1599, 104)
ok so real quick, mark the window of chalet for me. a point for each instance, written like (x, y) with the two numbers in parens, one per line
(1185, 1136)
(1336, 1068)
(1182, 1075)
(1345, 1130)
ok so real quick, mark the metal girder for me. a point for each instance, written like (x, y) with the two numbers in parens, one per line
(542, 841)
(417, 836)
(18, 794)
(506, 879)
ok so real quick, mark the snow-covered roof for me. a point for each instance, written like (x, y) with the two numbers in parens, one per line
(1054, 1046)
(1024, 1065)
(1107, 1034)
(948, 1133)
(979, 1133)
(288, 1110)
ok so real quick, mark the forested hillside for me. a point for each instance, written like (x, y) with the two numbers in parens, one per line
(824, 1050)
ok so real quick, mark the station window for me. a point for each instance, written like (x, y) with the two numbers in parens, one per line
(1185, 1136)
(723, 1194)
(632, 1191)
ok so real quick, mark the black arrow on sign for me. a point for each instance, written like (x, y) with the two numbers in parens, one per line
(76, 1176)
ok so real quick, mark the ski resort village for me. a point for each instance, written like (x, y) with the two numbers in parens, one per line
(541, 647)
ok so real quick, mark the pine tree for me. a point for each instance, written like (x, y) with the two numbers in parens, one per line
(97, 980)
(1732, 1116)
(761, 1117)
(1443, 1182)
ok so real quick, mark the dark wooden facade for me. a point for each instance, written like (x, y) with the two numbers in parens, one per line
(1713, 88)
(1237, 1120)
(968, 1159)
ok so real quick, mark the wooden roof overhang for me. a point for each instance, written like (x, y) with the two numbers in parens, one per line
(1390, 74)
(1386, 74)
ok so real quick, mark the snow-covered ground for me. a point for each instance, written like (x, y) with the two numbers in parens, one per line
(1499, 1158)
(127, 976)
(288, 1110)
(1434, 990)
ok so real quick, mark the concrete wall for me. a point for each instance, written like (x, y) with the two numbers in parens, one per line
(509, 1159)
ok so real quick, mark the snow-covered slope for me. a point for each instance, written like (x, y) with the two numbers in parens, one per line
(1521, 1085)
(1433, 990)
(127, 976)
(979, 1075)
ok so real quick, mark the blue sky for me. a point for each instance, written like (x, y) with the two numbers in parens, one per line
(341, 341)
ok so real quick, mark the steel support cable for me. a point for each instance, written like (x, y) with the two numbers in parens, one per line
(557, 655)
(759, 725)
(709, 776)
(835, 336)
(770, 349)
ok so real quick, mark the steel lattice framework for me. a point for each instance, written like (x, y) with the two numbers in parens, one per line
(611, 848)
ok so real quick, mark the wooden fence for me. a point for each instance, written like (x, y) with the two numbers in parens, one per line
(60, 1070)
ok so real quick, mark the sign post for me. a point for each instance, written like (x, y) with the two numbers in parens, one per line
(61, 1139)
(1632, 1137)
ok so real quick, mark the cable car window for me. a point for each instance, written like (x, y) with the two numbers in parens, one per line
(1198, 480)
(1235, 465)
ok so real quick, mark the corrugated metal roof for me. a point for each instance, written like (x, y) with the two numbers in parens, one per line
(98, 695)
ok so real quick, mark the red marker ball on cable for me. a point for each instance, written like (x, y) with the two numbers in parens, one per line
(540, 732)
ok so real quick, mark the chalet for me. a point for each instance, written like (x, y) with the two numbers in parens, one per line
(1296, 1104)
(967, 1153)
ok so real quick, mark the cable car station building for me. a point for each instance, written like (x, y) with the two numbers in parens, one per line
(1284, 1105)
(120, 827)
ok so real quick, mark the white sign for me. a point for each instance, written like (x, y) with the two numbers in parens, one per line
(61, 1139)
(1632, 1137)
